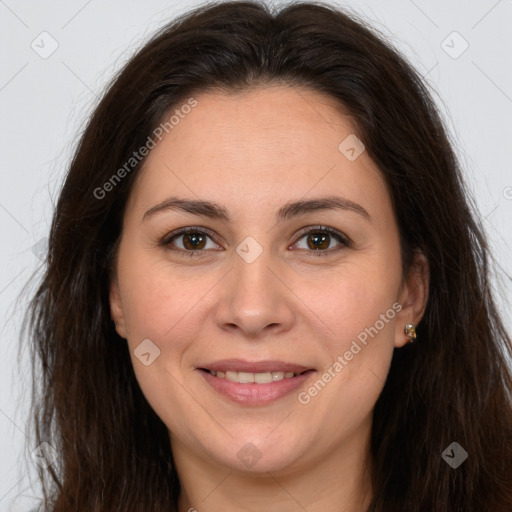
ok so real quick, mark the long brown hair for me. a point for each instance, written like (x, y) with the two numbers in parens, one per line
(452, 385)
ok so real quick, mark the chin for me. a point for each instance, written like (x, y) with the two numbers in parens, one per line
(259, 453)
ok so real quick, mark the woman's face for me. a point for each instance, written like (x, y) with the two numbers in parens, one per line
(268, 293)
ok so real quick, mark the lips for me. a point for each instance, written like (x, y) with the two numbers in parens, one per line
(240, 365)
(262, 372)
(250, 377)
(254, 383)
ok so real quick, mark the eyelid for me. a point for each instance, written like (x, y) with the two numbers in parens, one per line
(316, 227)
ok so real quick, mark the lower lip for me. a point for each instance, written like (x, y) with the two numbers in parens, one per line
(255, 394)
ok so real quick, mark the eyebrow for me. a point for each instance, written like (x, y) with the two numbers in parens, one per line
(288, 211)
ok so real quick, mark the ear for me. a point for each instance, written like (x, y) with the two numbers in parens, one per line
(116, 307)
(413, 297)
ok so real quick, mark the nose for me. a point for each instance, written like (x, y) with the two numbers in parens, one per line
(255, 300)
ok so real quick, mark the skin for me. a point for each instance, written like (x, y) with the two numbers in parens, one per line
(253, 152)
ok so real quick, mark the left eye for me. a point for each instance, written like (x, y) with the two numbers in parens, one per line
(319, 240)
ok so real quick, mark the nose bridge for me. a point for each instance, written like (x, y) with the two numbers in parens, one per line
(254, 298)
(252, 274)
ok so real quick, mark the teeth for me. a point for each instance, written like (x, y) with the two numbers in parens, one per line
(245, 378)
(257, 378)
(232, 376)
(263, 378)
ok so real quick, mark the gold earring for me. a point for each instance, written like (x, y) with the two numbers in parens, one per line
(410, 332)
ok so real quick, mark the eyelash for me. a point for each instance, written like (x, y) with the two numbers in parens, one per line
(340, 237)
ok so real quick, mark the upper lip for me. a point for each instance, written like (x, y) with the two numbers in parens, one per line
(240, 365)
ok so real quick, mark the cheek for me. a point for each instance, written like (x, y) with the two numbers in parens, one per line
(360, 353)
(158, 299)
(158, 305)
(352, 301)
(360, 317)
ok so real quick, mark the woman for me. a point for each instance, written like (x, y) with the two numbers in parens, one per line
(265, 286)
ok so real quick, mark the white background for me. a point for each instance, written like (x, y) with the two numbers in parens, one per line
(44, 103)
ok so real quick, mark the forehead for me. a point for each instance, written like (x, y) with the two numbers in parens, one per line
(252, 127)
(270, 143)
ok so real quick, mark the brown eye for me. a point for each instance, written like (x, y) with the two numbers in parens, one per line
(193, 241)
(189, 241)
(319, 241)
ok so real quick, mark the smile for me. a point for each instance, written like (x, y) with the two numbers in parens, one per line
(256, 378)
(254, 383)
